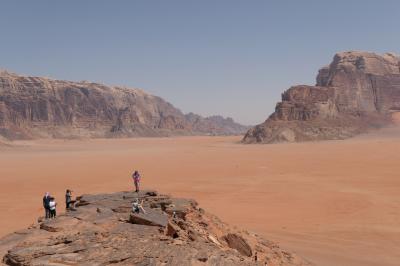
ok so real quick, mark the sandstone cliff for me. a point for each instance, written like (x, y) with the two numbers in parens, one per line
(103, 230)
(357, 92)
(34, 107)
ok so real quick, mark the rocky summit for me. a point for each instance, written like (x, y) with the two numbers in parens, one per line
(357, 92)
(103, 230)
(37, 107)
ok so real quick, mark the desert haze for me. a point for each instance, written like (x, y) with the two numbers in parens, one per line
(333, 202)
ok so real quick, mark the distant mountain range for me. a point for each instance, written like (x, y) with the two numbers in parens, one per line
(37, 107)
(357, 92)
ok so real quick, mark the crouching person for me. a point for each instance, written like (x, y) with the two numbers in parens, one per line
(137, 207)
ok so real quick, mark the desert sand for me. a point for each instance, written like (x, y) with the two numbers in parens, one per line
(333, 202)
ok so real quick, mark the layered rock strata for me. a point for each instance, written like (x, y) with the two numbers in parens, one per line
(36, 107)
(357, 92)
(103, 230)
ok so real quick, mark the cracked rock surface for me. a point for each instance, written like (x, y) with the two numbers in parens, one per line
(101, 231)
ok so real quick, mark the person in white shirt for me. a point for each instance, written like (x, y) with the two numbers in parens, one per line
(52, 207)
(137, 207)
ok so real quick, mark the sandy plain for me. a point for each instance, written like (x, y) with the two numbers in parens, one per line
(333, 202)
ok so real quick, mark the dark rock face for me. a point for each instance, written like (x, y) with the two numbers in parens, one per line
(96, 234)
(34, 107)
(238, 243)
(357, 92)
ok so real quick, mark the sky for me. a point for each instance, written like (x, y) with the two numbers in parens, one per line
(232, 58)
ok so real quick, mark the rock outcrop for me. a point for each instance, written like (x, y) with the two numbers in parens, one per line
(357, 92)
(216, 125)
(101, 231)
(35, 107)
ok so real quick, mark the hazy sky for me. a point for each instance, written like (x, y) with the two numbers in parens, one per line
(232, 58)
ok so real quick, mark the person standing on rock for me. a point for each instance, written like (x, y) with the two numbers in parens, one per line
(68, 199)
(46, 201)
(136, 180)
(52, 207)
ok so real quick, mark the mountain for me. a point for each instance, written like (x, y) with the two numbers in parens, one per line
(37, 107)
(103, 230)
(215, 125)
(357, 92)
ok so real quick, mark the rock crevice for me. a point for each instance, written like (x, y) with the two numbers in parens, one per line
(103, 230)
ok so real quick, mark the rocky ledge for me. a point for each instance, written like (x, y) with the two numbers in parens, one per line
(103, 230)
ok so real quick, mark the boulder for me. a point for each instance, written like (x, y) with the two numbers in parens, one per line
(180, 207)
(151, 217)
(239, 243)
(173, 230)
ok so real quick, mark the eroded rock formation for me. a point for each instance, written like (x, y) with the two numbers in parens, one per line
(34, 107)
(103, 230)
(357, 92)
